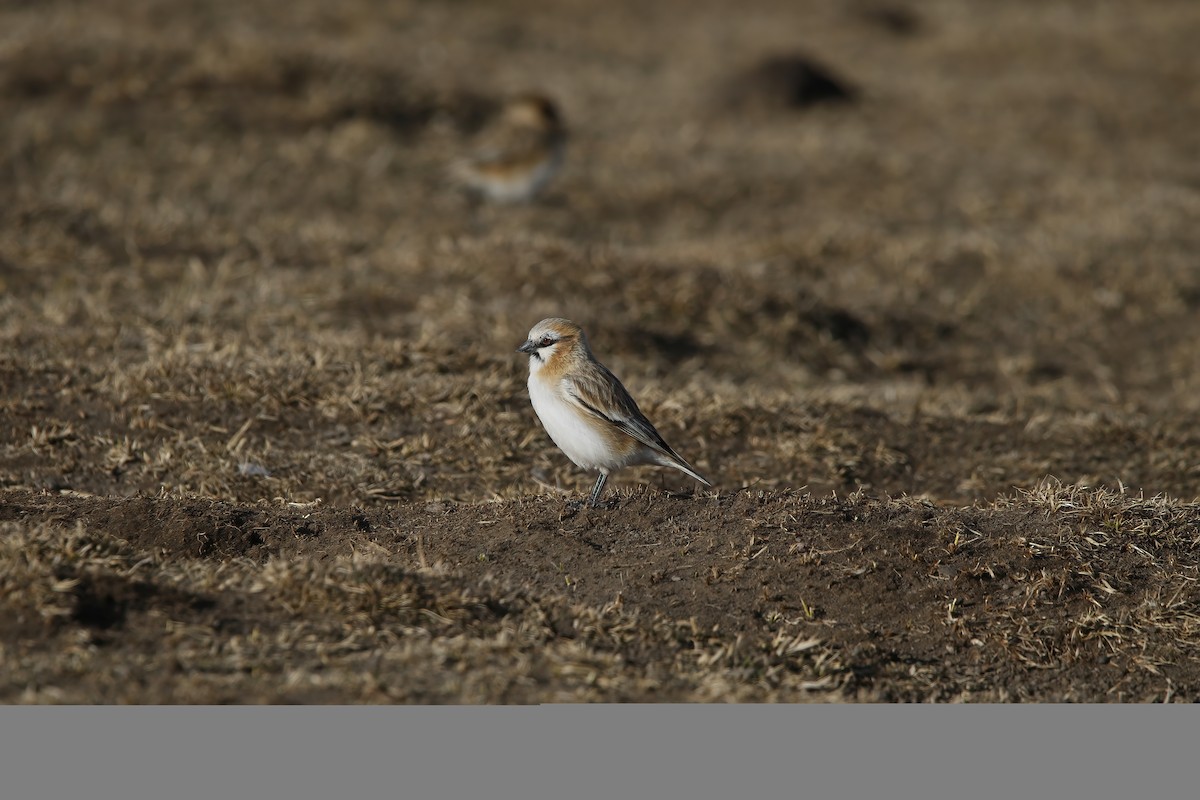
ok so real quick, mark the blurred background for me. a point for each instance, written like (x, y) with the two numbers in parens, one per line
(942, 248)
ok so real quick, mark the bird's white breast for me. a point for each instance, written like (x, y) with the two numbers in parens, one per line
(577, 435)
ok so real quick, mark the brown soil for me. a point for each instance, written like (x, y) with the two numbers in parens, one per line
(264, 438)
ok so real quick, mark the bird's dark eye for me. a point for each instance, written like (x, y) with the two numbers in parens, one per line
(545, 341)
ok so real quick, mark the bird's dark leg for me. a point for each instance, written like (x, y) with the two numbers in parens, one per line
(597, 489)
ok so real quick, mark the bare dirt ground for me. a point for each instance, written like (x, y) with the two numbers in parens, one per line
(264, 438)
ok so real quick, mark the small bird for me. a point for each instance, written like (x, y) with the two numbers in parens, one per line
(586, 410)
(519, 153)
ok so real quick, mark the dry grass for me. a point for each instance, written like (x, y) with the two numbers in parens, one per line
(351, 629)
(244, 320)
(1057, 594)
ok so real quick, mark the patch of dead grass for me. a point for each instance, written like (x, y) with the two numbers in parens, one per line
(233, 276)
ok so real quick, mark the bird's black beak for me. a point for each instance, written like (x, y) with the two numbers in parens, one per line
(528, 347)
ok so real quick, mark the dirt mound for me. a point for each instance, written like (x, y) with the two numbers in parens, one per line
(1061, 595)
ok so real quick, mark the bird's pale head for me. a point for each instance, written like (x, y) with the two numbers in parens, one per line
(554, 342)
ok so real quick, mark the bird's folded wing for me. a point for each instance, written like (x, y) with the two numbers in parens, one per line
(600, 394)
(507, 146)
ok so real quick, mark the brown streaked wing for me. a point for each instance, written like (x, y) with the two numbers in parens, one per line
(508, 148)
(598, 392)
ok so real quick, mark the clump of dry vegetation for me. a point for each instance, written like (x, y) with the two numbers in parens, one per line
(99, 622)
(1060, 593)
(263, 437)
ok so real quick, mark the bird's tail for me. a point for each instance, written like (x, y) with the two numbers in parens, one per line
(673, 460)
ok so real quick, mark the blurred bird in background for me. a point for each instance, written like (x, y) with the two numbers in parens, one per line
(519, 153)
